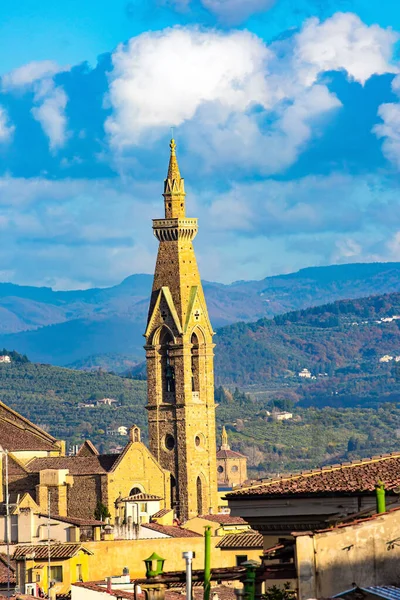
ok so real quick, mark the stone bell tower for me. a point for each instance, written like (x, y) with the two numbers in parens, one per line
(179, 353)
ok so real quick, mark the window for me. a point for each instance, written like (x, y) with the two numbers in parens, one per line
(79, 573)
(135, 491)
(56, 574)
(240, 559)
(235, 469)
(220, 469)
(143, 507)
(169, 442)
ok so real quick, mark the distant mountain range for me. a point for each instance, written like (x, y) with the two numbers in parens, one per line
(104, 327)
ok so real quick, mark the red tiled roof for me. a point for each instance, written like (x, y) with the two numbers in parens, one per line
(4, 569)
(171, 530)
(18, 433)
(57, 551)
(229, 454)
(224, 519)
(357, 477)
(75, 520)
(161, 513)
(248, 539)
(141, 496)
(77, 465)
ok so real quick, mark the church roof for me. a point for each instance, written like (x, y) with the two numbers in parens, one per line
(18, 433)
(229, 454)
(360, 476)
(77, 465)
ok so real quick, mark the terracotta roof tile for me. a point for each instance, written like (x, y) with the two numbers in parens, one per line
(57, 551)
(224, 519)
(4, 569)
(75, 520)
(358, 477)
(229, 454)
(142, 496)
(171, 530)
(77, 465)
(248, 539)
(161, 513)
(18, 433)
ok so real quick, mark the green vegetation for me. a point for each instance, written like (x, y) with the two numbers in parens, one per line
(313, 437)
(50, 397)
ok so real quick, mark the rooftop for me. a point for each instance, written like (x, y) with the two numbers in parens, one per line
(4, 570)
(57, 551)
(18, 433)
(171, 530)
(229, 454)
(360, 476)
(249, 540)
(75, 521)
(77, 465)
(224, 519)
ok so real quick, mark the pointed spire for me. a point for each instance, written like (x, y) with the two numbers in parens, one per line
(174, 188)
(224, 439)
(173, 169)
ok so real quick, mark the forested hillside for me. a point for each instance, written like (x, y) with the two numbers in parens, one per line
(341, 344)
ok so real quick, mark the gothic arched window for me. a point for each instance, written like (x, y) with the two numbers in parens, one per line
(195, 363)
(167, 363)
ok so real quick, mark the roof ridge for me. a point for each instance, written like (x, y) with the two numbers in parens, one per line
(325, 469)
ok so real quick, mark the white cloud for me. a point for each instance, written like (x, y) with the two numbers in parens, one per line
(6, 129)
(237, 101)
(389, 129)
(160, 79)
(344, 42)
(50, 112)
(29, 73)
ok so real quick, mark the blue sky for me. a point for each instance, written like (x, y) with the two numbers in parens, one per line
(286, 115)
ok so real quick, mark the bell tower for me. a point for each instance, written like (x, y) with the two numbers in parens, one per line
(179, 354)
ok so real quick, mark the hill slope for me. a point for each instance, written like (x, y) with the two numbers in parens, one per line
(67, 327)
(341, 344)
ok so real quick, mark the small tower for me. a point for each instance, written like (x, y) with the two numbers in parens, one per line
(179, 353)
(231, 466)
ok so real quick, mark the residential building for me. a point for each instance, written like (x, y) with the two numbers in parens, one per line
(315, 499)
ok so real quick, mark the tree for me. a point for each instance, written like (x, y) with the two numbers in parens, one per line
(101, 513)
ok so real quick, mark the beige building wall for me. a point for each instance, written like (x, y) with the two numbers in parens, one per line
(363, 554)
(137, 468)
(111, 557)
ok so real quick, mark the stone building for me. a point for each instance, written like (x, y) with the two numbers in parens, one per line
(231, 466)
(179, 353)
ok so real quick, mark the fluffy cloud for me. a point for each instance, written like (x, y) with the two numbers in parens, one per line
(160, 79)
(29, 73)
(6, 130)
(344, 42)
(234, 96)
(389, 129)
(50, 112)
